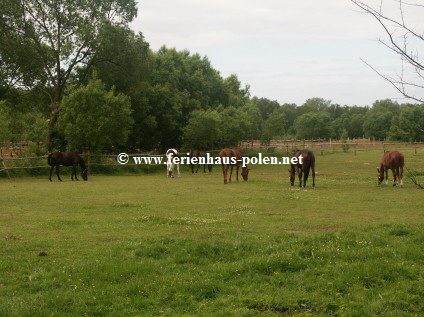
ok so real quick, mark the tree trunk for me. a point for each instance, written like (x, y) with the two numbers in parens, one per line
(52, 121)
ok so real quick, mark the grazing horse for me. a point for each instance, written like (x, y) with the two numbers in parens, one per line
(308, 162)
(67, 159)
(170, 153)
(231, 157)
(394, 161)
(200, 154)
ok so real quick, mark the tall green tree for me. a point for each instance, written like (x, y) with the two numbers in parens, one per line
(409, 124)
(313, 125)
(56, 36)
(203, 131)
(378, 119)
(266, 106)
(94, 119)
(254, 121)
(275, 126)
(128, 65)
(235, 126)
(314, 105)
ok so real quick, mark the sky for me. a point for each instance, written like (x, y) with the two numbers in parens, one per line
(285, 50)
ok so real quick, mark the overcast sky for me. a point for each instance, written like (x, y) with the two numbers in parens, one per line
(286, 50)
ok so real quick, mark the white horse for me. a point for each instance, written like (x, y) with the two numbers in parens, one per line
(170, 153)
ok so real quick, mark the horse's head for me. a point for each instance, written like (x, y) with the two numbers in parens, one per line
(380, 175)
(292, 173)
(84, 174)
(245, 173)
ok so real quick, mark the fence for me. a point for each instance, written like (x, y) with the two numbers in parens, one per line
(11, 162)
(322, 146)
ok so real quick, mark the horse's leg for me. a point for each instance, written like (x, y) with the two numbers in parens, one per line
(72, 173)
(57, 173)
(397, 176)
(178, 170)
(75, 172)
(387, 175)
(313, 175)
(198, 166)
(299, 173)
(231, 172)
(394, 176)
(192, 168)
(224, 173)
(401, 176)
(51, 172)
(204, 168)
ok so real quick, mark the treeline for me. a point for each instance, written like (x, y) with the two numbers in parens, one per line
(127, 97)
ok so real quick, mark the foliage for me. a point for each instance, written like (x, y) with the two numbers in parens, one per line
(50, 39)
(378, 119)
(94, 119)
(313, 125)
(167, 87)
(203, 131)
(234, 127)
(409, 125)
(5, 134)
(344, 137)
(265, 106)
(275, 126)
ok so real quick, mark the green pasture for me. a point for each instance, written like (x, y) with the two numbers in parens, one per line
(146, 245)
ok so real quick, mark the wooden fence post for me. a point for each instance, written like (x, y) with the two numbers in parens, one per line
(4, 166)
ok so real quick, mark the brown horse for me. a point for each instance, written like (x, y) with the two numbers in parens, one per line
(67, 159)
(302, 169)
(394, 161)
(200, 154)
(232, 157)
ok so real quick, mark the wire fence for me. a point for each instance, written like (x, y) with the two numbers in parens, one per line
(92, 161)
(16, 159)
(324, 146)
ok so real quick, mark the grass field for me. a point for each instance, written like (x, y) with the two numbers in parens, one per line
(145, 245)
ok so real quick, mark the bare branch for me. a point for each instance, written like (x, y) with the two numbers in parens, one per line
(413, 178)
(400, 46)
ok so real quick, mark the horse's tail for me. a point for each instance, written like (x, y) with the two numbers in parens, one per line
(402, 161)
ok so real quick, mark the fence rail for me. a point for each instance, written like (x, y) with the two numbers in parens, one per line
(288, 146)
(323, 145)
(4, 167)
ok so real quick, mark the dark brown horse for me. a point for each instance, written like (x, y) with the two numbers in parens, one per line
(394, 161)
(305, 162)
(232, 157)
(200, 154)
(67, 159)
